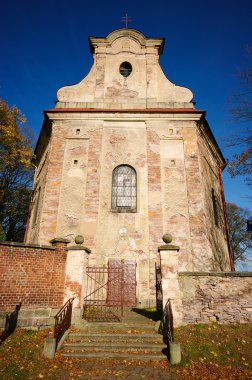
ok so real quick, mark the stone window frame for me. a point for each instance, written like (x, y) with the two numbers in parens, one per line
(132, 188)
(125, 69)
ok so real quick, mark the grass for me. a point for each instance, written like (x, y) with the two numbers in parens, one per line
(213, 352)
(221, 344)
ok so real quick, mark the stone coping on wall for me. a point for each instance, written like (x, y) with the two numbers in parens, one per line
(216, 274)
(168, 247)
(78, 248)
(59, 240)
(27, 245)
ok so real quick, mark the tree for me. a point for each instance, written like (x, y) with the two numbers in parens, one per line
(241, 163)
(16, 172)
(241, 243)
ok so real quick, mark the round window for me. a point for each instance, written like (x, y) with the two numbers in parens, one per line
(125, 69)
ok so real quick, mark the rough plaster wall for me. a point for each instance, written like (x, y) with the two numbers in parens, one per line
(104, 81)
(175, 202)
(48, 220)
(215, 234)
(73, 188)
(154, 201)
(116, 86)
(201, 253)
(91, 211)
(38, 196)
(124, 235)
(75, 276)
(100, 60)
(225, 297)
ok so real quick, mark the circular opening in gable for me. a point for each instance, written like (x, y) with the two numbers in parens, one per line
(125, 69)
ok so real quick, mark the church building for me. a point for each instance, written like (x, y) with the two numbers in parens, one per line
(125, 157)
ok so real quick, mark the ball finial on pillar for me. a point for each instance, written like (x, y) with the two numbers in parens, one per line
(167, 238)
(79, 239)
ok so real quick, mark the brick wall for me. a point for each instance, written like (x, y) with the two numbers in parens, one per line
(155, 201)
(32, 274)
(224, 297)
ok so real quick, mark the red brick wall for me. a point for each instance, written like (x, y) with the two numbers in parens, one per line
(32, 274)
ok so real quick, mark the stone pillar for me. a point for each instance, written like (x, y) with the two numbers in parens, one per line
(77, 259)
(170, 285)
(57, 281)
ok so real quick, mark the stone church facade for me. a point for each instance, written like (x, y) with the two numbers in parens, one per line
(125, 157)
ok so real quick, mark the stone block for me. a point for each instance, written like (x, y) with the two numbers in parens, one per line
(213, 319)
(175, 353)
(243, 321)
(42, 313)
(49, 348)
(157, 326)
(26, 313)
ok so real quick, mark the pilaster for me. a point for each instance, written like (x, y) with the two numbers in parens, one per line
(77, 261)
(169, 264)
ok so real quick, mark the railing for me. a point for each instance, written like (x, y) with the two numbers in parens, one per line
(63, 320)
(167, 323)
(159, 291)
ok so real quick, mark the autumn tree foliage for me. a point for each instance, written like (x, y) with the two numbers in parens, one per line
(240, 239)
(16, 172)
(241, 109)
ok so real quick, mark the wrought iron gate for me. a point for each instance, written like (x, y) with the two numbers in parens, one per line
(159, 291)
(109, 289)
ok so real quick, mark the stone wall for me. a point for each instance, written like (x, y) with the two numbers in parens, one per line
(224, 297)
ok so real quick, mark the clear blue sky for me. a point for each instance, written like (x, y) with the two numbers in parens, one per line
(44, 45)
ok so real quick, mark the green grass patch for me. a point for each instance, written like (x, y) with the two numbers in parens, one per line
(220, 344)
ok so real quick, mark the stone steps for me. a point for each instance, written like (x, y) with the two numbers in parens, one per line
(142, 338)
(108, 346)
(114, 355)
(132, 339)
(102, 327)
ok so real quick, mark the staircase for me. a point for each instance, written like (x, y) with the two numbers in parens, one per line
(132, 339)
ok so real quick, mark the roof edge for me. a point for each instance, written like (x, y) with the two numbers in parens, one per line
(127, 110)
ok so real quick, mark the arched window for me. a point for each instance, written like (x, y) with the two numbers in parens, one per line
(124, 189)
(215, 208)
(36, 206)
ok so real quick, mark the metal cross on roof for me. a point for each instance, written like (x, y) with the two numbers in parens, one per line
(126, 19)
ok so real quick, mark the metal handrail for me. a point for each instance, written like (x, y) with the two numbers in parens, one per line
(167, 323)
(63, 320)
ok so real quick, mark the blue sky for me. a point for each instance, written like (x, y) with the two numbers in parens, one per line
(44, 46)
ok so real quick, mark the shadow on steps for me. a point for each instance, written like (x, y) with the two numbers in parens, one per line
(154, 315)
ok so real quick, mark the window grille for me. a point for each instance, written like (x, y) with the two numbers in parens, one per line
(124, 188)
(215, 208)
(36, 207)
